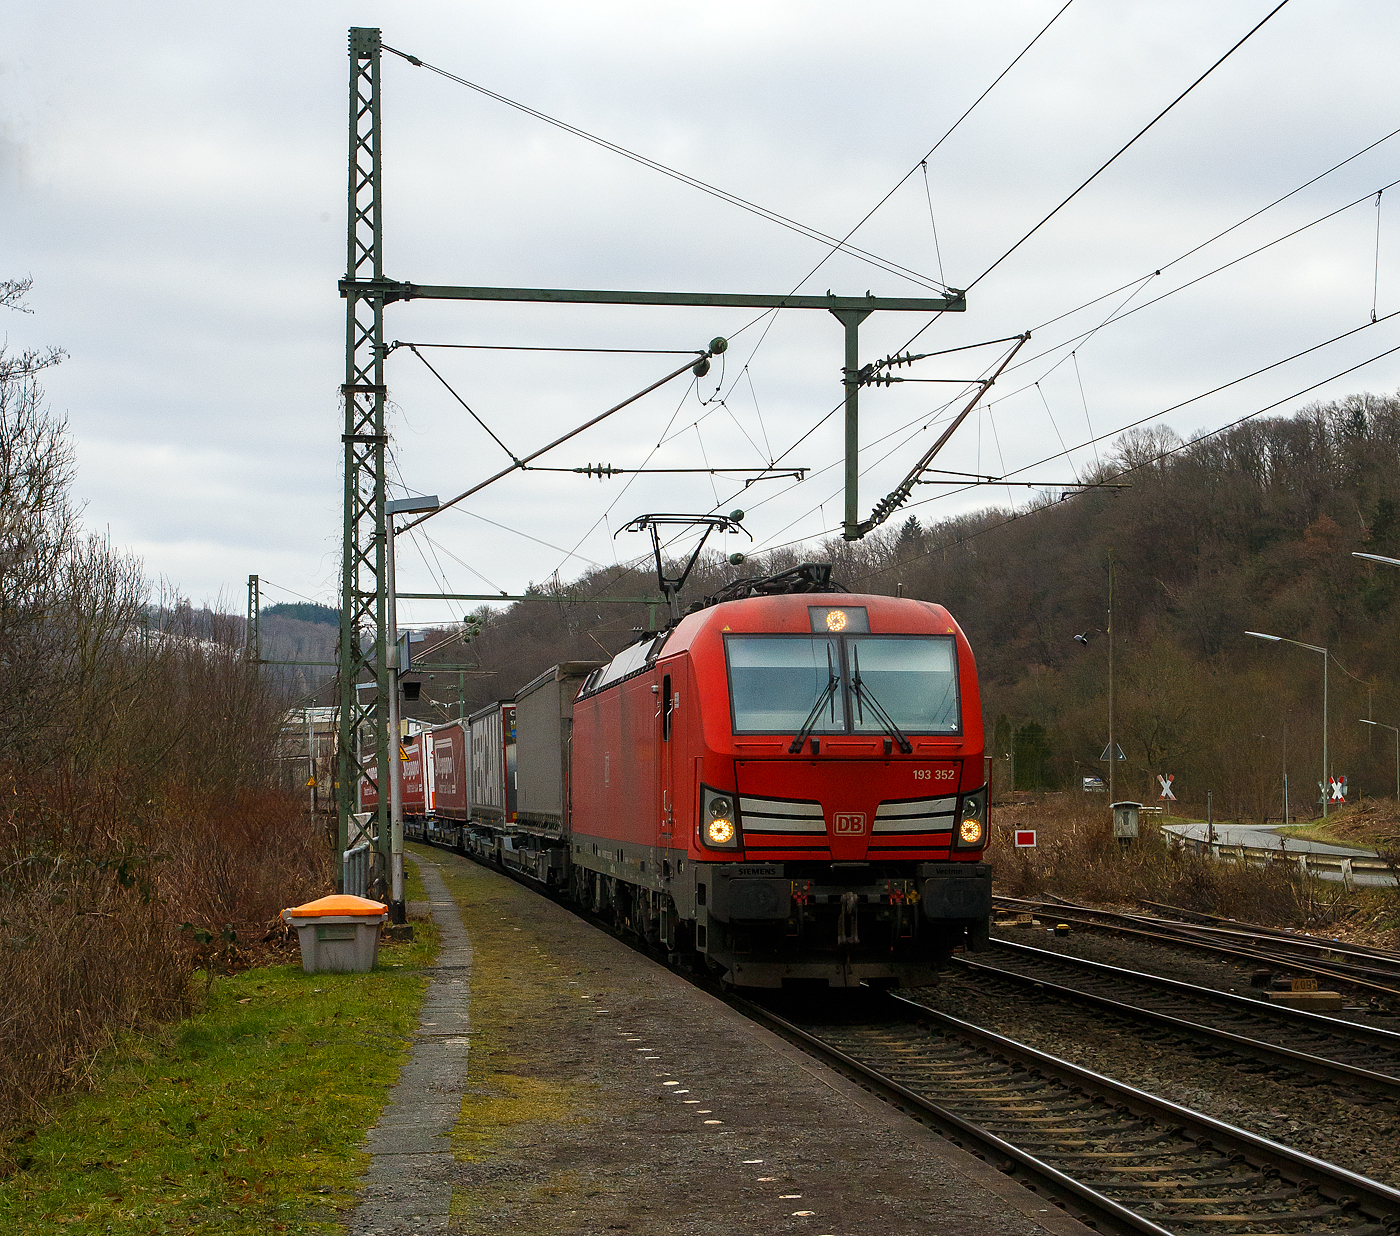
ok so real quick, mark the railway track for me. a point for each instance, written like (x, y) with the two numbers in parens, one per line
(1367, 971)
(1364, 1060)
(1117, 1157)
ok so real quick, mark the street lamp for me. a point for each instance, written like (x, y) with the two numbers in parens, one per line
(1382, 725)
(1279, 639)
(1377, 558)
(399, 506)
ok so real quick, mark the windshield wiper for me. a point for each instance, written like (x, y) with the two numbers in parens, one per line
(865, 695)
(828, 692)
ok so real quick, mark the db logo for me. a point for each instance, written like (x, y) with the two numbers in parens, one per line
(850, 824)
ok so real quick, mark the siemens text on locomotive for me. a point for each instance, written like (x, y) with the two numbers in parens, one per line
(789, 786)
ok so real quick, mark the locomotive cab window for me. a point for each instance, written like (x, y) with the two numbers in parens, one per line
(913, 678)
(856, 683)
(666, 708)
(776, 681)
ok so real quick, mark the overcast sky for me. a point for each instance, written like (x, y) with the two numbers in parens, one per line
(173, 177)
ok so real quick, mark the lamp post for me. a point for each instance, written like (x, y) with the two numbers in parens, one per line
(1112, 737)
(397, 909)
(1382, 725)
(1279, 639)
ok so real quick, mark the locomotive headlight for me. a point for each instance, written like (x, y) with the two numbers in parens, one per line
(972, 820)
(836, 620)
(719, 820)
(719, 831)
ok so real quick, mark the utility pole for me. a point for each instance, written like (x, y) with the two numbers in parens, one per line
(850, 375)
(399, 662)
(252, 637)
(362, 590)
(311, 758)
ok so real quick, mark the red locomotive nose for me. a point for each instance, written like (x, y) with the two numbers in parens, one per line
(847, 810)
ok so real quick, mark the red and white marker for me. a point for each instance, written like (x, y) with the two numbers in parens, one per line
(1025, 838)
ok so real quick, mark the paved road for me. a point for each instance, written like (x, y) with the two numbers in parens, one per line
(1265, 836)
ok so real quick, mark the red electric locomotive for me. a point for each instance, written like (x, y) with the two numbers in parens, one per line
(790, 785)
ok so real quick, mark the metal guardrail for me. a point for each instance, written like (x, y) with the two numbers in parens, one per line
(1340, 866)
(355, 870)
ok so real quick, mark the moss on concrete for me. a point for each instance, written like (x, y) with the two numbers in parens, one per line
(513, 1096)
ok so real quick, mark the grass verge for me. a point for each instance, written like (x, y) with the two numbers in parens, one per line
(246, 1118)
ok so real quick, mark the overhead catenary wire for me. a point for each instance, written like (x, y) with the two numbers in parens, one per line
(527, 347)
(414, 349)
(768, 452)
(519, 463)
(1113, 158)
(772, 314)
(1156, 415)
(1146, 278)
(723, 195)
(1084, 400)
(264, 582)
(1249, 218)
(951, 129)
(1183, 445)
(1120, 316)
(568, 553)
(1376, 276)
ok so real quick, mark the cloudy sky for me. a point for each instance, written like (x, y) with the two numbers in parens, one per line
(173, 179)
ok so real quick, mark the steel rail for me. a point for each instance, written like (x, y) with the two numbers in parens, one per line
(1101, 1209)
(1336, 1070)
(1228, 999)
(1304, 1168)
(1234, 929)
(1268, 940)
(1075, 915)
(1281, 933)
(1341, 1187)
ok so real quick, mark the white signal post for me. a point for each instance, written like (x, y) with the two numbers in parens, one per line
(398, 911)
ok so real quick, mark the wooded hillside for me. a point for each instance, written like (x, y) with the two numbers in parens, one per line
(1251, 529)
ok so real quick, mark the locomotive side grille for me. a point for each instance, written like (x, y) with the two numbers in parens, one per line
(918, 815)
(777, 815)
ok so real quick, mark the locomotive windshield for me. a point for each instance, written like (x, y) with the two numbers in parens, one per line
(776, 680)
